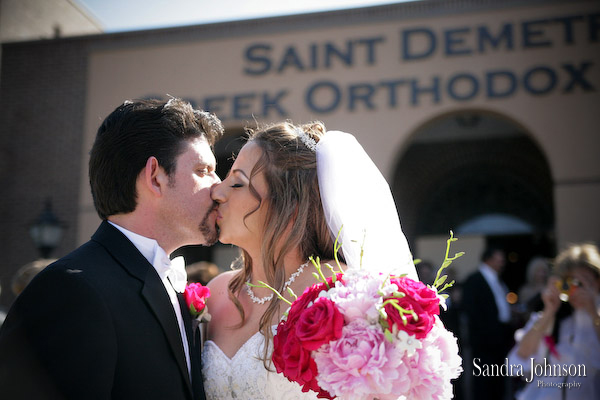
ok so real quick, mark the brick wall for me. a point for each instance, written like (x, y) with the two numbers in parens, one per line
(42, 96)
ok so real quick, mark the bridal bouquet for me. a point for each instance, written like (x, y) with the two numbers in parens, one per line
(360, 334)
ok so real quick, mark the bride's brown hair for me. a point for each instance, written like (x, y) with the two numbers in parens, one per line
(290, 171)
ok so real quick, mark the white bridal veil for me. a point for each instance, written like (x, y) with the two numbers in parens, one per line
(356, 196)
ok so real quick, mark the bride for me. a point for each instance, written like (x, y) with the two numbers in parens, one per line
(286, 197)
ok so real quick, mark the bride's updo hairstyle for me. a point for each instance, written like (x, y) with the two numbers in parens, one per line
(294, 212)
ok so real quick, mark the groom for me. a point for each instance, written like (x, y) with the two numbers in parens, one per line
(106, 321)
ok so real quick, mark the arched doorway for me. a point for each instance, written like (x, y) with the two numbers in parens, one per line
(483, 176)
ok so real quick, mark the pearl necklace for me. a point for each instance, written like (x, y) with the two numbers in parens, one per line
(263, 300)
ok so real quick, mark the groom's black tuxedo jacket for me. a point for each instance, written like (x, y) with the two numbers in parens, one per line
(97, 324)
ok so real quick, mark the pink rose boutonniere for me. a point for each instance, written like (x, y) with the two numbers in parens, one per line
(195, 296)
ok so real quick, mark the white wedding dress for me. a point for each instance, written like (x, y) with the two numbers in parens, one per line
(244, 376)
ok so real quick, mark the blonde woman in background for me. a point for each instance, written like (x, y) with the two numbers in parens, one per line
(538, 272)
(566, 333)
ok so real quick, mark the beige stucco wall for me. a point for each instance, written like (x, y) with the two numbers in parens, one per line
(564, 124)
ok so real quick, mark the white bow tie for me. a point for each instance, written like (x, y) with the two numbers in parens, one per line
(173, 269)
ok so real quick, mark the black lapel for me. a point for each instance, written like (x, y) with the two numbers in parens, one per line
(195, 349)
(491, 299)
(123, 250)
(155, 294)
(153, 289)
(187, 318)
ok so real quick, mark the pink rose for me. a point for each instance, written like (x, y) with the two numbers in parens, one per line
(319, 324)
(309, 295)
(418, 298)
(195, 296)
(420, 293)
(289, 356)
(296, 364)
(293, 361)
(279, 341)
(288, 359)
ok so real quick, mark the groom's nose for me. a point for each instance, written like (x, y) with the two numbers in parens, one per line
(215, 191)
(216, 179)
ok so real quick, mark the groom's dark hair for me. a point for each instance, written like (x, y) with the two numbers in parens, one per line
(132, 133)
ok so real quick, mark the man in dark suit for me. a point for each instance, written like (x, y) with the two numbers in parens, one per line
(107, 321)
(488, 314)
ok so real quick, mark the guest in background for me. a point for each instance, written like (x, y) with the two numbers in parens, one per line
(566, 332)
(426, 272)
(201, 272)
(22, 278)
(26, 273)
(488, 321)
(538, 271)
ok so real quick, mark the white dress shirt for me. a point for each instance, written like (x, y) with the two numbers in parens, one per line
(499, 291)
(160, 261)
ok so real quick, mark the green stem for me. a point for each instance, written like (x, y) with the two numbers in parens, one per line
(336, 248)
(317, 265)
(447, 261)
(401, 310)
